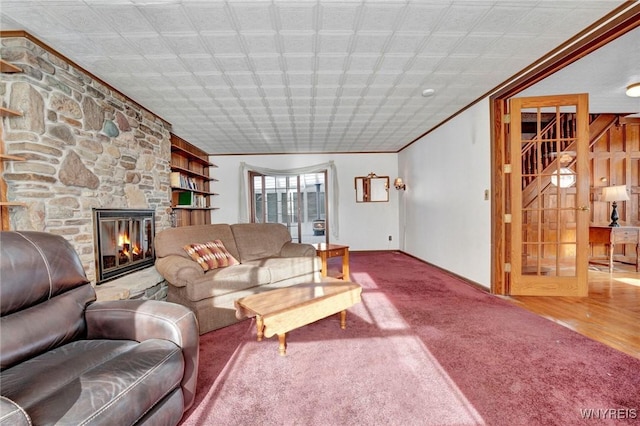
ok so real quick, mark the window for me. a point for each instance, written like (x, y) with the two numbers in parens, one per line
(298, 202)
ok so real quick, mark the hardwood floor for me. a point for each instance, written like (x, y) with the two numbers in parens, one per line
(610, 314)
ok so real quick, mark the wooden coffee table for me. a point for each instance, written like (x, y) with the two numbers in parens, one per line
(279, 311)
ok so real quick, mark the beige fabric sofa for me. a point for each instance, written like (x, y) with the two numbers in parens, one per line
(268, 260)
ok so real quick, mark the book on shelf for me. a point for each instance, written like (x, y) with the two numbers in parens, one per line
(174, 179)
(186, 199)
(178, 180)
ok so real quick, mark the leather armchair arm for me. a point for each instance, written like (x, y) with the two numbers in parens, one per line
(290, 249)
(178, 271)
(12, 414)
(141, 320)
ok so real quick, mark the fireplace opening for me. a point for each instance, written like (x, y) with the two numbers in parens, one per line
(123, 242)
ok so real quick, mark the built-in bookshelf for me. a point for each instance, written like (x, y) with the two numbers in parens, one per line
(191, 184)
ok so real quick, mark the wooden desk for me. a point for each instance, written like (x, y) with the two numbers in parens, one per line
(616, 235)
(325, 251)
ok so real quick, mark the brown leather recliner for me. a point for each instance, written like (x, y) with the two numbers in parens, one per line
(66, 359)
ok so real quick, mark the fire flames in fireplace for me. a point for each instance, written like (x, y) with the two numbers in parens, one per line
(124, 241)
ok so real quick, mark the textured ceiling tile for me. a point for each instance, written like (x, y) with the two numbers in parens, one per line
(338, 16)
(184, 43)
(79, 18)
(328, 79)
(393, 62)
(363, 62)
(297, 16)
(148, 44)
(380, 17)
(475, 43)
(233, 63)
(300, 79)
(461, 17)
(123, 18)
(167, 64)
(441, 43)
(208, 16)
(298, 42)
(331, 63)
(167, 18)
(253, 16)
(260, 42)
(241, 79)
(386, 78)
(371, 42)
(272, 79)
(299, 62)
(266, 62)
(198, 62)
(222, 43)
(335, 41)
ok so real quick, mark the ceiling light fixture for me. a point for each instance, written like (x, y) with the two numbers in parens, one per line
(633, 90)
(428, 92)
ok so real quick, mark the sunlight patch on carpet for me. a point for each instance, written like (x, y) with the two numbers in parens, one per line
(363, 279)
(381, 311)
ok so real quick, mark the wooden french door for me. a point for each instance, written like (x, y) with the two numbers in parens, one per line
(549, 184)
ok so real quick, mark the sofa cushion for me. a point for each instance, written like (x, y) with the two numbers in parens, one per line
(76, 384)
(172, 240)
(226, 280)
(210, 255)
(259, 240)
(283, 268)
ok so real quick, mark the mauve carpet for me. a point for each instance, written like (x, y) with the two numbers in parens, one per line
(423, 348)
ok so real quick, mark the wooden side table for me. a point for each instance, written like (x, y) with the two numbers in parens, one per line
(325, 251)
(615, 235)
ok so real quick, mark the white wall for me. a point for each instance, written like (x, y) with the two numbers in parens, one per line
(362, 226)
(444, 218)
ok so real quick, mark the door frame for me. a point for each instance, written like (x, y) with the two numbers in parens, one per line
(620, 21)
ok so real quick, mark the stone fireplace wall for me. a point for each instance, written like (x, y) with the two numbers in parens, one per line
(85, 145)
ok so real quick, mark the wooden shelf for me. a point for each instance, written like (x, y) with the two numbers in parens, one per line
(192, 173)
(12, 203)
(191, 156)
(190, 169)
(6, 112)
(179, 207)
(7, 67)
(196, 191)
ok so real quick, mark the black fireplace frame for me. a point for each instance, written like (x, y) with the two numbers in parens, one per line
(103, 275)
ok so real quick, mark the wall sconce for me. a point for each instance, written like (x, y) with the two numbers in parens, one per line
(633, 90)
(399, 184)
(612, 194)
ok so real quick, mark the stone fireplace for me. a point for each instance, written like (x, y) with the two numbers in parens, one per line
(86, 147)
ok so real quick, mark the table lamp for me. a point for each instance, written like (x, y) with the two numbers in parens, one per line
(613, 194)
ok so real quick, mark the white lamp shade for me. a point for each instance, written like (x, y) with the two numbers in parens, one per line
(615, 193)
